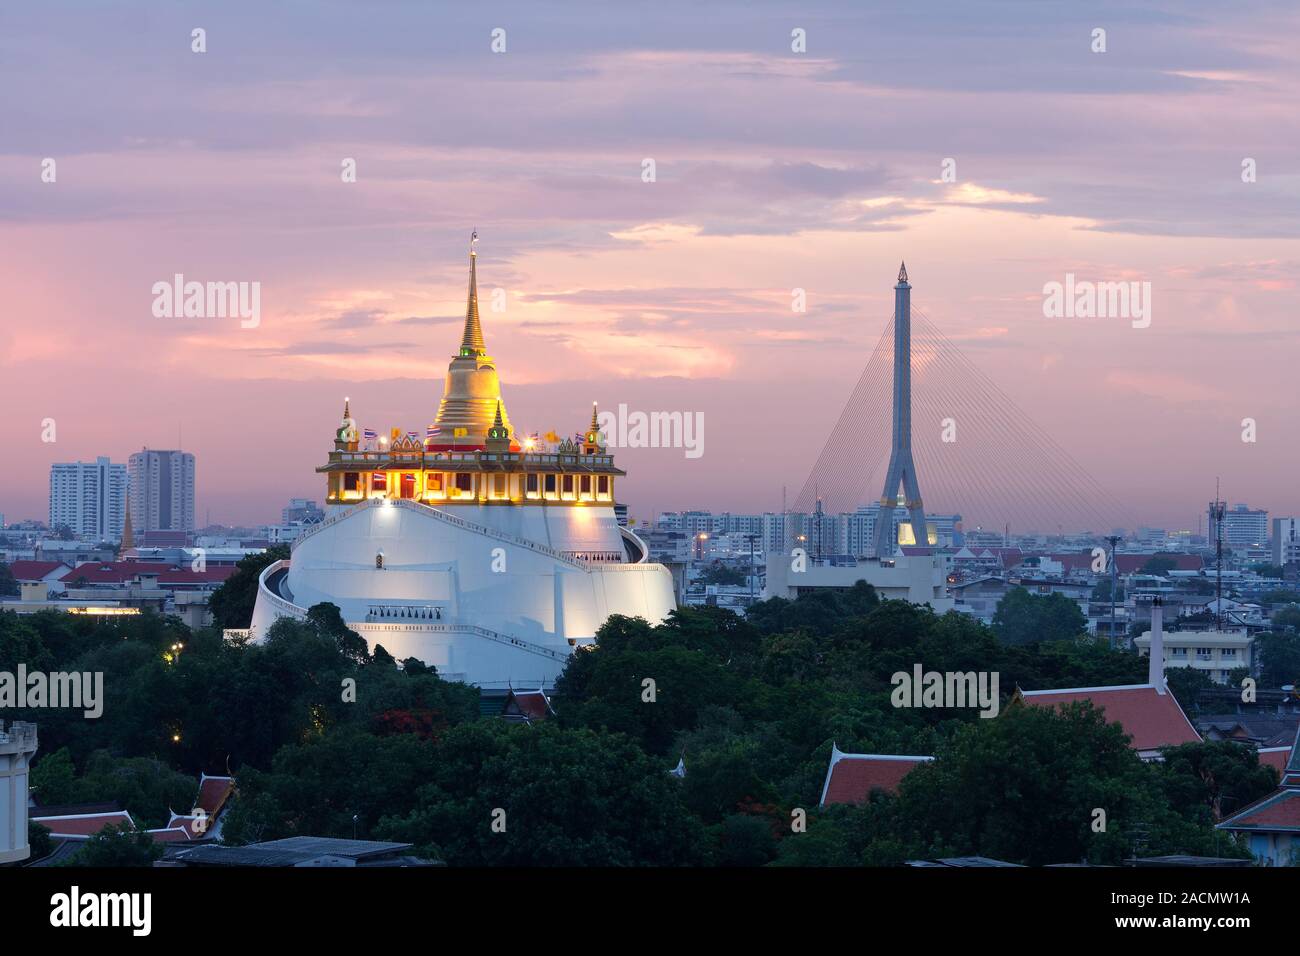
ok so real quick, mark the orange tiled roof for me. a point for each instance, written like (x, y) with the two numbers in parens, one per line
(1150, 718)
(851, 777)
(213, 793)
(1280, 810)
(1275, 757)
(84, 824)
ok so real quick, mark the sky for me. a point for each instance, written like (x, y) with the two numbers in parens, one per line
(774, 171)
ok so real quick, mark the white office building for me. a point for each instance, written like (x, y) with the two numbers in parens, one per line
(89, 497)
(1243, 527)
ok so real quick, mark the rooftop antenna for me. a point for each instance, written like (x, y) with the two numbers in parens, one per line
(1114, 540)
(1217, 514)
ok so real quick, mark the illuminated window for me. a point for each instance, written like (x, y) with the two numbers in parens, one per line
(379, 481)
(408, 485)
(499, 486)
(433, 482)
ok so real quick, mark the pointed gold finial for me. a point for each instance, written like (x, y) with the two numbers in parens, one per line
(347, 408)
(128, 536)
(595, 425)
(902, 272)
(471, 342)
(498, 423)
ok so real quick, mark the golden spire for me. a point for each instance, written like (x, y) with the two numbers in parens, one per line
(471, 342)
(595, 425)
(347, 408)
(498, 436)
(128, 536)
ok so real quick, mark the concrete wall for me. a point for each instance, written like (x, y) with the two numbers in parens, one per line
(476, 580)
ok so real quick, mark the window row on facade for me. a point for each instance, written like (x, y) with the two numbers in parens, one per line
(469, 486)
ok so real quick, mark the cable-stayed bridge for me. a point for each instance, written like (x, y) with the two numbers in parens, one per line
(976, 452)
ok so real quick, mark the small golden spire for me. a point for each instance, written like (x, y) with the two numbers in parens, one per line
(595, 425)
(128, 536)
(347, 408)
(498, 423)
(471, 342)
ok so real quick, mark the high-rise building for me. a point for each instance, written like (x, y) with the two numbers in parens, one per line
(89, 497)
(162, 490)
(1286, 541)
(1243, 527)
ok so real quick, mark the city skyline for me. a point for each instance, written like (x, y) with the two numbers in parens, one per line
(712, 436)
(667, 295)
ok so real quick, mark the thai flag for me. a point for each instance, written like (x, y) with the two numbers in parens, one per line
(370, 434)
(411, 435)
(433, 431)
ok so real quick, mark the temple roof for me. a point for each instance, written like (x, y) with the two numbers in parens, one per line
(850, 778)
(1152, 718)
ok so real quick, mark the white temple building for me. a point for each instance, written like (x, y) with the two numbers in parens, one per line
(489, 555)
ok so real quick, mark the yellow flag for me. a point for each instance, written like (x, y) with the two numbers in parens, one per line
(459, 432)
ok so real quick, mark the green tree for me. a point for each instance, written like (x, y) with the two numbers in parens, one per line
(1022, 618)
(557, 797)
(1213, 779)
(718, 573)
(328, 621)
(116, 846)
(53, 778)
(1267, 570)
(232, 603)
(1186, 683)
(1024, 788)
(1160, 564)
(1279, 656)
(745, 840)
(8, 586)
(819, 611)
(143, 786)
(317, 788)
(38, 839)
(1101, 592)
(1287, 618)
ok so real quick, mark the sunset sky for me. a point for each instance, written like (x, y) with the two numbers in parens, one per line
(775, 170)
